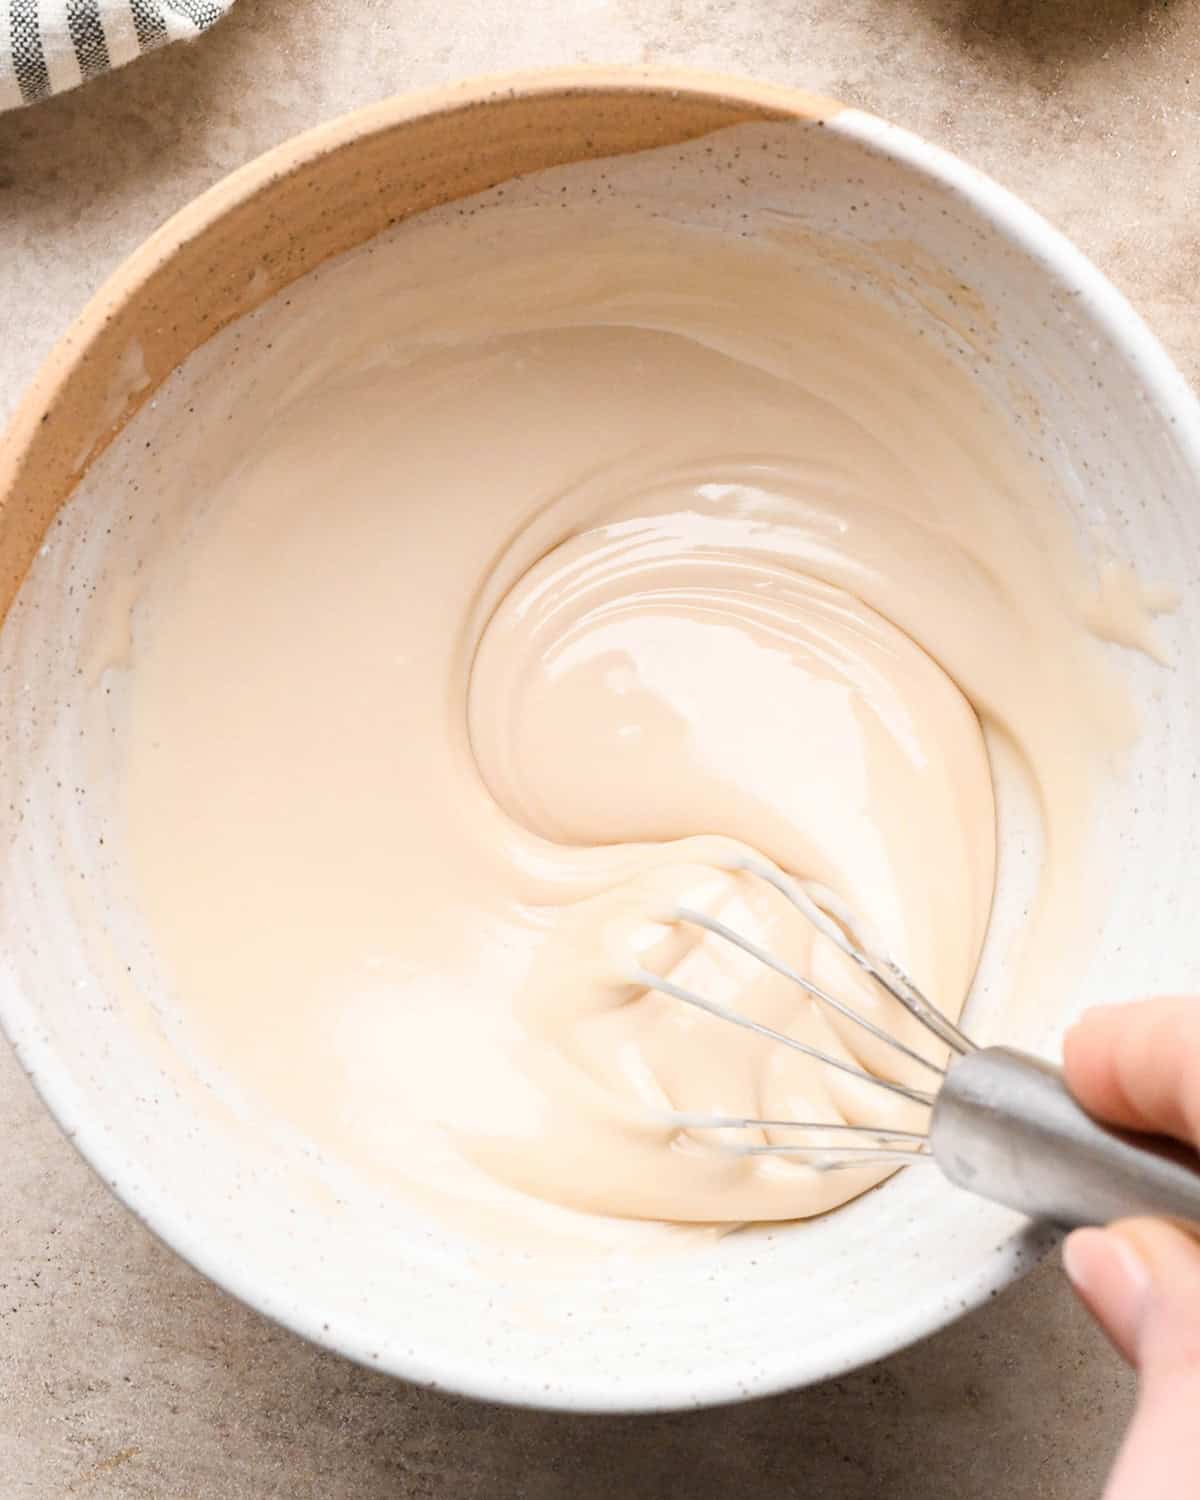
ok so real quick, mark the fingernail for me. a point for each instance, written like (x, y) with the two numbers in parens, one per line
(1113, 1282)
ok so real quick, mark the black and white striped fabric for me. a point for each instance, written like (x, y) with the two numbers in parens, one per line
(47, 46)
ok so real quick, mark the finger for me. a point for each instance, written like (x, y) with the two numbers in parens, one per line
(1138, 1065)
(1141, 1279)
(1111, 1281)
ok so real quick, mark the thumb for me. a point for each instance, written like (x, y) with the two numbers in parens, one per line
(1141, 1280)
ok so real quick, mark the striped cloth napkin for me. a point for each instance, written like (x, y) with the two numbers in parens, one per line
(47, 46)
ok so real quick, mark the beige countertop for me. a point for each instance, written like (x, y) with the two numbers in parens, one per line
(122, 1373)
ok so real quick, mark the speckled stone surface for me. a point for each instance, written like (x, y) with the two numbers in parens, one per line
(122, 1373)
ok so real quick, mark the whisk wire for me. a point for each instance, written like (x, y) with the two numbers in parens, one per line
(838, 1143)
(722, 930)
(829, 1158)
(650, 981)
(843, 933)
(750, 1122)
(854, 1145)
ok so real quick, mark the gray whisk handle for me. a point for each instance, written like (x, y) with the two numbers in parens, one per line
(1006, 1127)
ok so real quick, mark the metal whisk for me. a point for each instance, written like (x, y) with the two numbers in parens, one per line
(1001, 1123)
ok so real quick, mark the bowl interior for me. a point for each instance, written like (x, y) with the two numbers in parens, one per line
(1085, 391)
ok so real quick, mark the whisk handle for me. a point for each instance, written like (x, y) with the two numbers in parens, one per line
(1006, 1126)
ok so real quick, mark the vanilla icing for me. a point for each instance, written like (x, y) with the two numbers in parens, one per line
(489, 586)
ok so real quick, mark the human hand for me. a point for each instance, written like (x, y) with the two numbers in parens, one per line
(1138, 1066)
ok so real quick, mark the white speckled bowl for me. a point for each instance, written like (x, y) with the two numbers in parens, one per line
(1093, 396)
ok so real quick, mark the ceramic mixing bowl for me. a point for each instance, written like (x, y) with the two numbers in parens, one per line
(1085, 387)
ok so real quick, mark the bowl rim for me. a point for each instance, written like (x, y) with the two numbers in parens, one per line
(1013, 221)
(241, 185)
